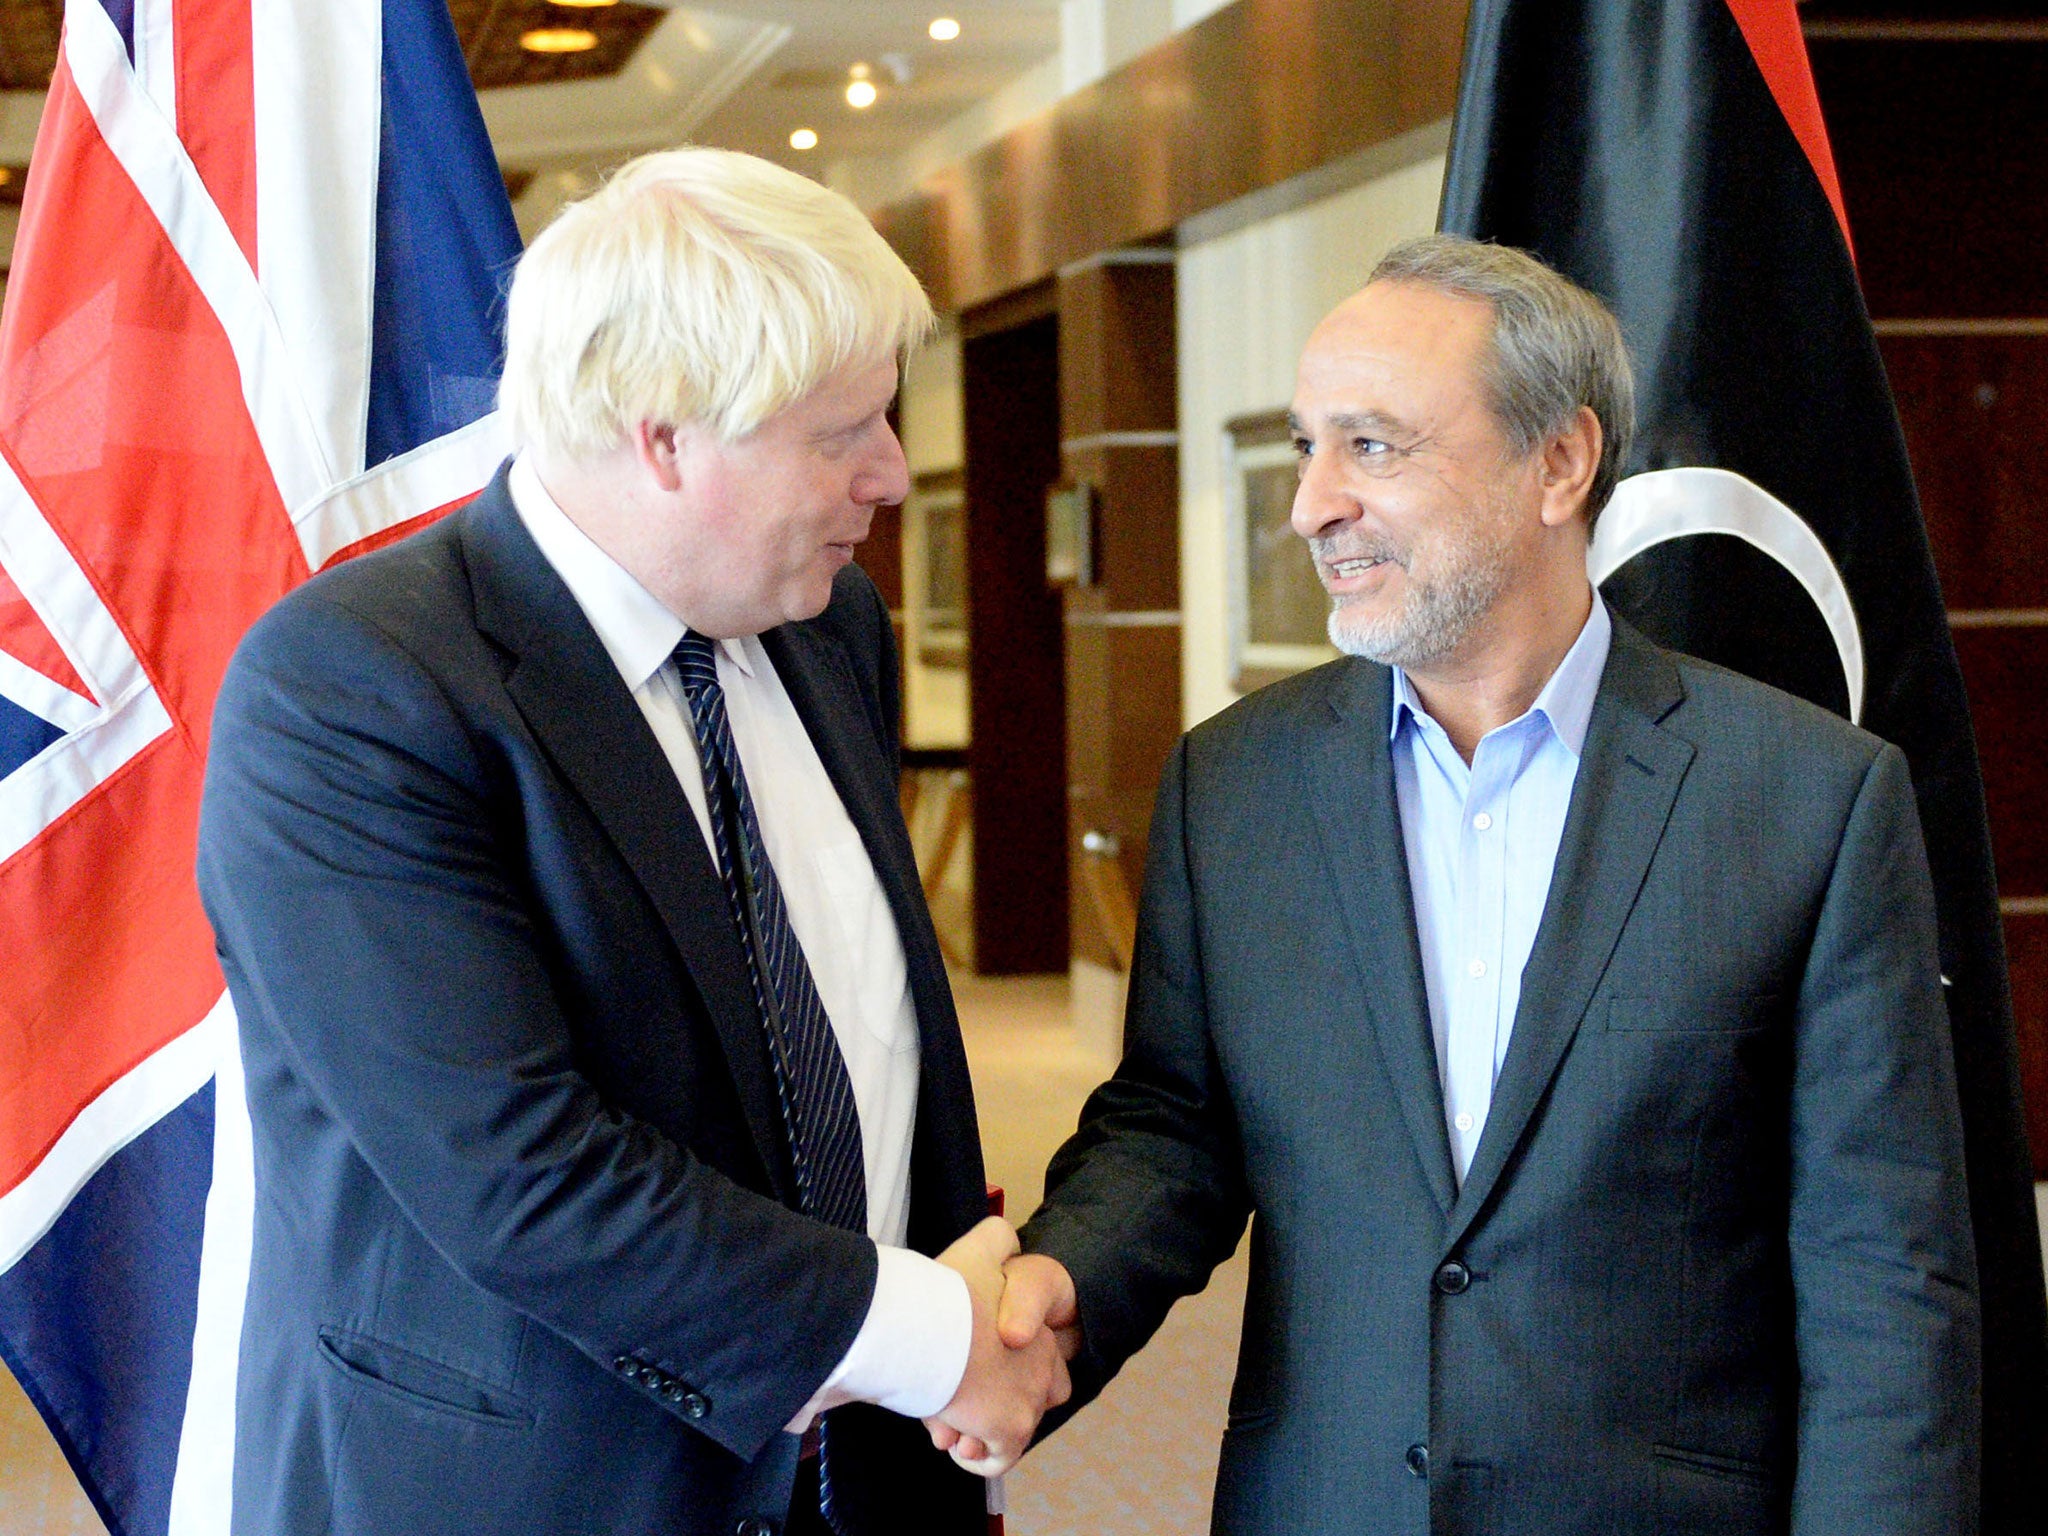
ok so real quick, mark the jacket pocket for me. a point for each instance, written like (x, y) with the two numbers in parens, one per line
(1735, 1014)
(1734, 1468)
(402, 1376)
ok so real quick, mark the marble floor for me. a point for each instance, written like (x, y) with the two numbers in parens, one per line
(1139, 1462)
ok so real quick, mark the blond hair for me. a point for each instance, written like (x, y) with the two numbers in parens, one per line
(696, 285)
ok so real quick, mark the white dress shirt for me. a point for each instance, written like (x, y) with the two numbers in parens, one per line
(1482, 842)
(912, 1351)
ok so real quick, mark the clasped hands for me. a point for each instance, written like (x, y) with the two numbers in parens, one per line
(1026, 1329)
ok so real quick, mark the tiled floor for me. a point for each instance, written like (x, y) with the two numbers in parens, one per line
(38, 1494)
(1140, 1462)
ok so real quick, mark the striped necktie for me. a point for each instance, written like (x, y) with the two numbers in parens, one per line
(811, 1084)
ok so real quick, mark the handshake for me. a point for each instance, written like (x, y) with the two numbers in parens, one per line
(1026, 1329)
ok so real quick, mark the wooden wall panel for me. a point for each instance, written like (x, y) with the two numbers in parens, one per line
(2005, 670)
(2026, 950)
(1975, 410)
(1942, 148)
(1259, 92)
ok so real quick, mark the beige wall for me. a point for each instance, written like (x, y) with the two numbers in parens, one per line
(1247, 301)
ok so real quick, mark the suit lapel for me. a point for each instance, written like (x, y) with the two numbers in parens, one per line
(1350, 783)
(1628, 779)
(570, 694)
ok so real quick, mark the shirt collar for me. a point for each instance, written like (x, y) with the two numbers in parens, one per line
(1566, 702)
(635, 628)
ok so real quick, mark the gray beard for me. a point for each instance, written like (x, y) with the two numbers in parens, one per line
(1435, 619)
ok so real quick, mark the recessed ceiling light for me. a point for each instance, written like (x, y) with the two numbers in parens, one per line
(803, 138)
(586, 5)
(558, 40)
(944, 29)
(861, 94)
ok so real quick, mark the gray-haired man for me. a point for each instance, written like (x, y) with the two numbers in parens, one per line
(1566, 1011)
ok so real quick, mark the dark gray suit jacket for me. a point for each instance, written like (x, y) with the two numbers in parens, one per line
(1711, 1269)
(525, 1252)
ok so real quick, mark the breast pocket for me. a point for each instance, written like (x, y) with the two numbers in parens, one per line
(874, 970)
(1731, 1014)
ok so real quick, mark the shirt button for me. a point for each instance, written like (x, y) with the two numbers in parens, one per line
(1463, 1121)
(1482, 821)
(1476, 968)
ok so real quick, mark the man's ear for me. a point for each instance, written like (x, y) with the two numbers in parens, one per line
(658, 448)
(1570, 460)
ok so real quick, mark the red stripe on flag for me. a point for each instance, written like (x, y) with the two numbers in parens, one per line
(1771, 28)
(25, 637)
(109, 957)
(217, 106)
(397, 531)
(121, 409)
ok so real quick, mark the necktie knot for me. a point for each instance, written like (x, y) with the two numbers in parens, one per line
(697, 662)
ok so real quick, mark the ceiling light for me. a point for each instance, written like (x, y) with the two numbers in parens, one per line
(558, 40)
(944, 30)
(861, 94)
(803, 138)
(586, 5)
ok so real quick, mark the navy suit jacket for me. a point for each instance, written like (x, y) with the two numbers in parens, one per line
(526, 1256)
(1711, 1268)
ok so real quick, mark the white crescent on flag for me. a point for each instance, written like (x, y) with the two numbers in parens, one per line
(1664, 504)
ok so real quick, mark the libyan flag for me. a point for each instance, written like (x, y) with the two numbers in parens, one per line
(1671, 158)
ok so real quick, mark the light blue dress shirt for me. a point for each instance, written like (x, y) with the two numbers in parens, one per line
(1481, 842)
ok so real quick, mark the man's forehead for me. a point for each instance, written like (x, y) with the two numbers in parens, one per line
(1385, 346)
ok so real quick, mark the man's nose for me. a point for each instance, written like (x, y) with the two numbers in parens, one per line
(1321, 504)
(885, 481)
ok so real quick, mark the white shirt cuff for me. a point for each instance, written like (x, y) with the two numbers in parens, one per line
(911, 1353)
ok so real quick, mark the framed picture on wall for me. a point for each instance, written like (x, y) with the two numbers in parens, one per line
(935, 568)
(1279, 612)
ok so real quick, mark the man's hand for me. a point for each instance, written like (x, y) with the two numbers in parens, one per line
(1038, 1294)
(1006, 1389)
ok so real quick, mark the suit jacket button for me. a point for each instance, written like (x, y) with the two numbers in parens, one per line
(754, 1525)
(696, 1405)
(672, 1391)
(623, 1365)
(1418, 1460)
(1453, 1279)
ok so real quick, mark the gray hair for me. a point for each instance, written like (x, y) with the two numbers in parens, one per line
(1556, 347)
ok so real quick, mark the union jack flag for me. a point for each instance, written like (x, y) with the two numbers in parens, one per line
(251, 330)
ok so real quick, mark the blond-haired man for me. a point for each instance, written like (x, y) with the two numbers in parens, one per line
(608, 1097)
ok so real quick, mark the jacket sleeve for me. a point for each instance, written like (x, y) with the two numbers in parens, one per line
(1883, 1266)
(1148, 1196)
(385, 953)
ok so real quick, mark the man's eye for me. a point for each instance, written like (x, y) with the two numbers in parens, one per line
(1369, 447)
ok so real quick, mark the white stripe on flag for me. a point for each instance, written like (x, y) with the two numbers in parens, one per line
(147, 146)
(202, 1487)
(319, 123)
(129, 716)
(156, 59)
(121, 1113)
(431, 476)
